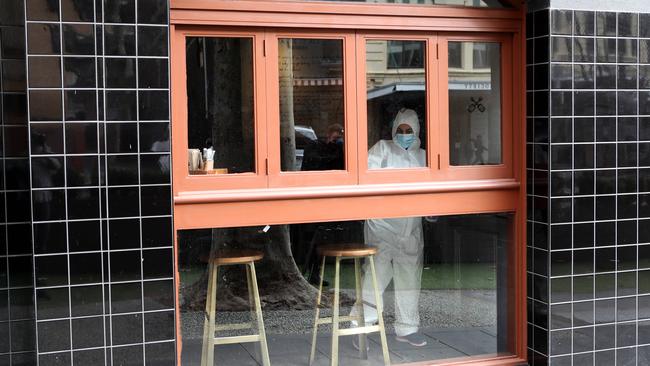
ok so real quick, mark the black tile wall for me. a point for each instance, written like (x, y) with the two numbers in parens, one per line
(588, 141)
(17, 311)
(100, 181)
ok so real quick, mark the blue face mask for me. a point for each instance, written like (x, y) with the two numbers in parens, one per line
(405, 139)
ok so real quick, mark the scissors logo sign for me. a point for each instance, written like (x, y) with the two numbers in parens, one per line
(476, 104)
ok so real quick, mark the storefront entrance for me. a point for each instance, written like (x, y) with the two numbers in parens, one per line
(394, 130)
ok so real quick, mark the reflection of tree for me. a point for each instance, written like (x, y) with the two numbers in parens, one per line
(281, 284)
(287, 123)
(226, 97)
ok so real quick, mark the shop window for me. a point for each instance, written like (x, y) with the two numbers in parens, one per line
(396, 104)
(462, 3)
(475, 104)
(270, 108)
(446, 285)
(312, 104)
(220, 105)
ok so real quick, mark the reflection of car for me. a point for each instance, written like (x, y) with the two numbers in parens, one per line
(305, 135)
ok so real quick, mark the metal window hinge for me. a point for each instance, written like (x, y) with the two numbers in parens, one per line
(438, 161)
(264, 47)
(437, 57)
(266, 165)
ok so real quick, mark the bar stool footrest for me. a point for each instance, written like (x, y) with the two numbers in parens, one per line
(236, 326)
(237, 339)
(359, 330)
(328, 319)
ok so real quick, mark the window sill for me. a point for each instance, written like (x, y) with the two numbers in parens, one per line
(273, 194)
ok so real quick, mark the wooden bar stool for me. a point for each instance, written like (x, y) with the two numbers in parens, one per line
(225, 258)
(356, 252)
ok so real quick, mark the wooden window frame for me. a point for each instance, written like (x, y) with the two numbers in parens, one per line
(279, 178)
(200, 183)
(469, 172)
(431, 70)
(206, 205)
(267, 115)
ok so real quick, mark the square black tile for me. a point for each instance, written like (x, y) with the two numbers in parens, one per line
(627, 154)
(85, 268)
(159, 326)
(154, 105)
(606, 24)
(605, 156)
(628, 25)
(126, 297)
(627, 103)
(78, 39)
(77, 11)
(583, 49)
(120, 72)
(583, 129)
(583, 156)
(119, 40)
(561, 21)
(79, 72)
(80, 105)
(584, 23)
(584, 103)
(605, 103)
(561, 49)
(152, 41)
(43, 39)
(627, 50)
(604, 207)
(152, 11)
(126, 329)
(583, 76)
(561, 75)
(87, 332)
(84, 236)
(119, 11)
(53, 335)
(121, 105)
(562, 131)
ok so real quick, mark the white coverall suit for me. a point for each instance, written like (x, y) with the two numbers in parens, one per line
(399, 241)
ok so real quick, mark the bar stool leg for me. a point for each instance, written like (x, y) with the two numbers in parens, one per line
(207, 355)
(312, 354)
(260, 321)
(361, 319)
(380, 310)
(251, 296)
(335, 315)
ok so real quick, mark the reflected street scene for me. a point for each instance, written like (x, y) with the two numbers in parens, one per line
(442, 284)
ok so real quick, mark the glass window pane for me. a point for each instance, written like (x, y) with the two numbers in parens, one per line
(463, 3)
(449, 295)
(396, 92)
(221, 121)
(312, 105)
(475, 103)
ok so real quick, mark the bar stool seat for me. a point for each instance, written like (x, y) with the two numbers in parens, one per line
(340, 252)
(228, 257)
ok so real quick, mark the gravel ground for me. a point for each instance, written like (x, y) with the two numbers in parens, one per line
(438, 309)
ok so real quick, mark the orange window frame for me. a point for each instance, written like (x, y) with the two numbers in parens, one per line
(431, 69)
(279, 178)
(180, 125)
(202, 203)
(469, 172)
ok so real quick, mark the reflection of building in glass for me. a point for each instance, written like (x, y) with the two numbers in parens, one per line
(396, 78)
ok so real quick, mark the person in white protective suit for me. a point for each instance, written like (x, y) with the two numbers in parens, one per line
(399, 241)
